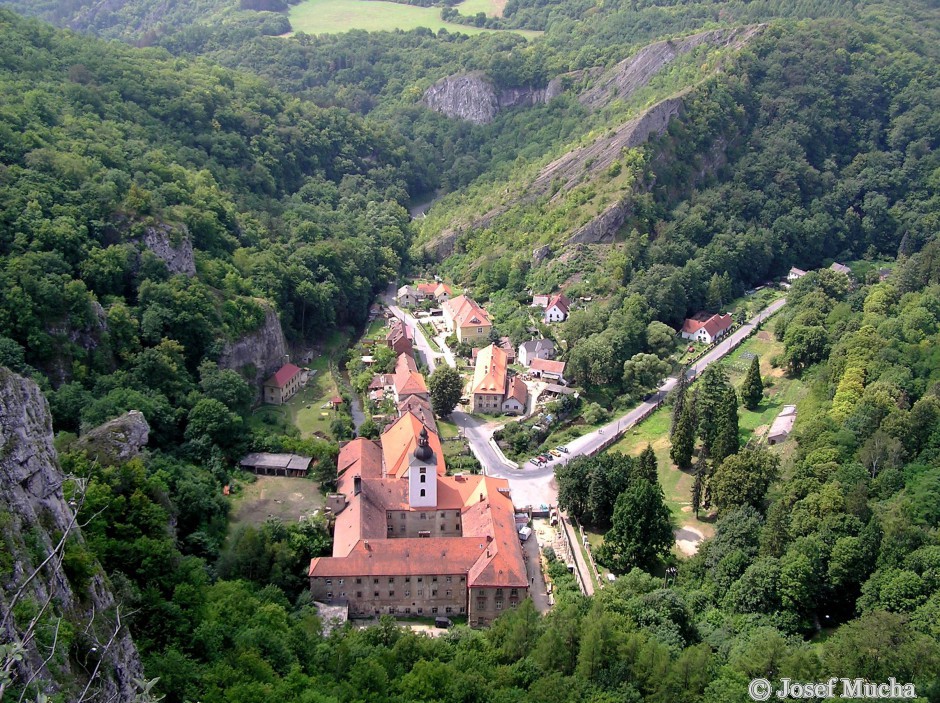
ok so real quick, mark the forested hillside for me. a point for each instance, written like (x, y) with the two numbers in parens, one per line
(158, 204)
(105, 148)
(832, 572)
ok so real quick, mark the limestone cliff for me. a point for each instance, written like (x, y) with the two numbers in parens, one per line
(597, 88)
(94, 657)
(86, 334)
(173, 246)
(473, 97)
(258, 353)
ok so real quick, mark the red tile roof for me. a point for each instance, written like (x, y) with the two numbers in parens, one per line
(489, 375)
(489, 552)
(714, 325)
(399, 442)
(556, 367)
(561, 302)
(517, 390)
(283, 376)
(467, 313)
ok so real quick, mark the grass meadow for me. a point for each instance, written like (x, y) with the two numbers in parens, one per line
(334, 16)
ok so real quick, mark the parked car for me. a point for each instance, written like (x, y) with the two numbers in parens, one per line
(525, 533)
(442, 622)
(563, 449)
(555, 452)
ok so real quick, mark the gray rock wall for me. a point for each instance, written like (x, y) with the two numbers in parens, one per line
(32, 502)
(174, 248)
(264, 349)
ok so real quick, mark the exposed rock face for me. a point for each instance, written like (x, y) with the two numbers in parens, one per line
(472, 97)
(174, 248)
(262, 350)
(578, 166)
(119, 439)
(603, 227)
(634, 72)
(584, 163)
(32, 504)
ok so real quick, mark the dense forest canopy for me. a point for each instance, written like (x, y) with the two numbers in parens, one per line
(817, 141)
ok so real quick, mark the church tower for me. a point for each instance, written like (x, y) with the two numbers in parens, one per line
(422, 474)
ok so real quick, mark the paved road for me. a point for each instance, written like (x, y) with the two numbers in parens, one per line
(535, 485)
(431, 357)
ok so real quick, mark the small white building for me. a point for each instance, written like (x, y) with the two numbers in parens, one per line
(517, 396)
(782, 425)
(551, 370)
(795, 273)
(557, 309)
(407, 296)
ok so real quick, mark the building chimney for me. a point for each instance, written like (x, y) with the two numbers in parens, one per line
(365, 543)
(357, 485)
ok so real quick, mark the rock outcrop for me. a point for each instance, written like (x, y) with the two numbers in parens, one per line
(583, 164)
(35, 512)
(473, 97)
(174, 247)
(634, 72)
(258, 353)
(117, 440)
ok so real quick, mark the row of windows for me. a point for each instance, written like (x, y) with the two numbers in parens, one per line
(424, 516)
(391, 594)
(401, 528)
(391, 580)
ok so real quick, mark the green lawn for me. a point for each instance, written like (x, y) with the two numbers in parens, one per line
(332, 16)
(779, 391)
(305, 409)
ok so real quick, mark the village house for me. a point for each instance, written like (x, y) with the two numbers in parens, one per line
(407, 296)
(557, 309)
(783, 425)
(517, 397)
(278, 389)
(549, 370)
(398, 338)
(488, 388)
(410, 540)
(707, 329)
(841, 268)
(505, 344)
(536, 349)
(795, 273)
(466, 319)
(406, 380)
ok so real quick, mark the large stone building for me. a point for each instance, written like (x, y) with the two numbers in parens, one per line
(466, 319)
(411, 540)
(278, 389)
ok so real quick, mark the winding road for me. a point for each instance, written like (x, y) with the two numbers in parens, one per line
(535, 485)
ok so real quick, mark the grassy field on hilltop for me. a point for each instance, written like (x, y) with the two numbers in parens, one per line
(334, 16)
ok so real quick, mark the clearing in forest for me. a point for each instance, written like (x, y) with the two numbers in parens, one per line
(275, 496)
(334, 16)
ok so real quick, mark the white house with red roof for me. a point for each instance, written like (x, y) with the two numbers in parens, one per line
(278, 389)
(557, 309)
(707, 330)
